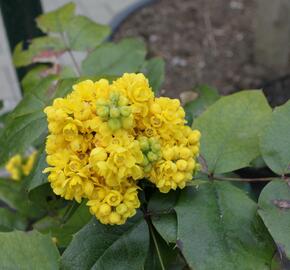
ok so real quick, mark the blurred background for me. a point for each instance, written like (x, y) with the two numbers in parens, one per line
(227, 44)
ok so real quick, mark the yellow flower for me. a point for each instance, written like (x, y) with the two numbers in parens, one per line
(105, 137)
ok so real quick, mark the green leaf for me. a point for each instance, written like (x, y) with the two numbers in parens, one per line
(154, 70)
(33, 77)
(218, 228)
(230, 129)
(27, 251)
(61, 230)
(115, 59)
(38, 178)
(13, 195)
(206, 97)
(163, 216)
(85, 34)
(274, 208)
(168, 253)
(10, 221)
(98, 246)
(57, 20)
(275, 141)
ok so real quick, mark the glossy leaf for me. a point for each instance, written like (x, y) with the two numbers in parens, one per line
(154, 70)
(85, 34)
(230, 130)
(98, 246)
(163, 216)
(274, 208)
(218, 228)
(56, 20)
(115, 59)
(27, 251)
(275, 141)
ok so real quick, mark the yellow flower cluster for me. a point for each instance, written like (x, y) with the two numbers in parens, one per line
(105, 137)
(18, 166)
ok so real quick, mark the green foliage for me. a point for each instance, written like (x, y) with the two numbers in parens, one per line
(206, 96)
(83, 34)
(10, 221)
(115, 59)
(154, 69)
(230, 130)
(57, 20)
(274, 208)
(98, 246)
(28, 251)
(226, 230)
(208, 225)
(275, 141)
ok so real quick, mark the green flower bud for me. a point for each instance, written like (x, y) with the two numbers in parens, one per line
(123, 101)
(145, 161)
(101, 102)
(114, 112)
(114, 97)
(127, 122)
(125, 111)
(114, 124)
(103, 111)
(144, 144)
(147, 168)
(152, 156)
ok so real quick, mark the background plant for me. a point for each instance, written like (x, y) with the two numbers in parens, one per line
(220, 221)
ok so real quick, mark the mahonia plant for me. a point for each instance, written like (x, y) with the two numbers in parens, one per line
(104, 138)
(111, 151)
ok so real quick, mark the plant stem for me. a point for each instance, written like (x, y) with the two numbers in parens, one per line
(156, 244)
(75, 63)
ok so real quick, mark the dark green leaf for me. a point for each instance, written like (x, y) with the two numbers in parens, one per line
(85, 34)
(218, 228)
(163, 216)
(13, 195)
(10, 221)
(154, 70)
(275, 141)
(64, 233)
(57, 20)
(274, 208)
(230, 130)
(98, 246)
(37, 176)
(115, 59)
(168, 253)
(27, 251)
(206, 97)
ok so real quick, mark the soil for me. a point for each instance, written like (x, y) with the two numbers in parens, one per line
(204, 42)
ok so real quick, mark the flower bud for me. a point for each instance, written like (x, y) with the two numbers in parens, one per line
(152, 156)
(123, 101)
(127, 122)
(103, 111)
(114, 112)
(104, 209)
(181, 164)
(121, 209)
(125, 111)
(114, 218)
(114, 124)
